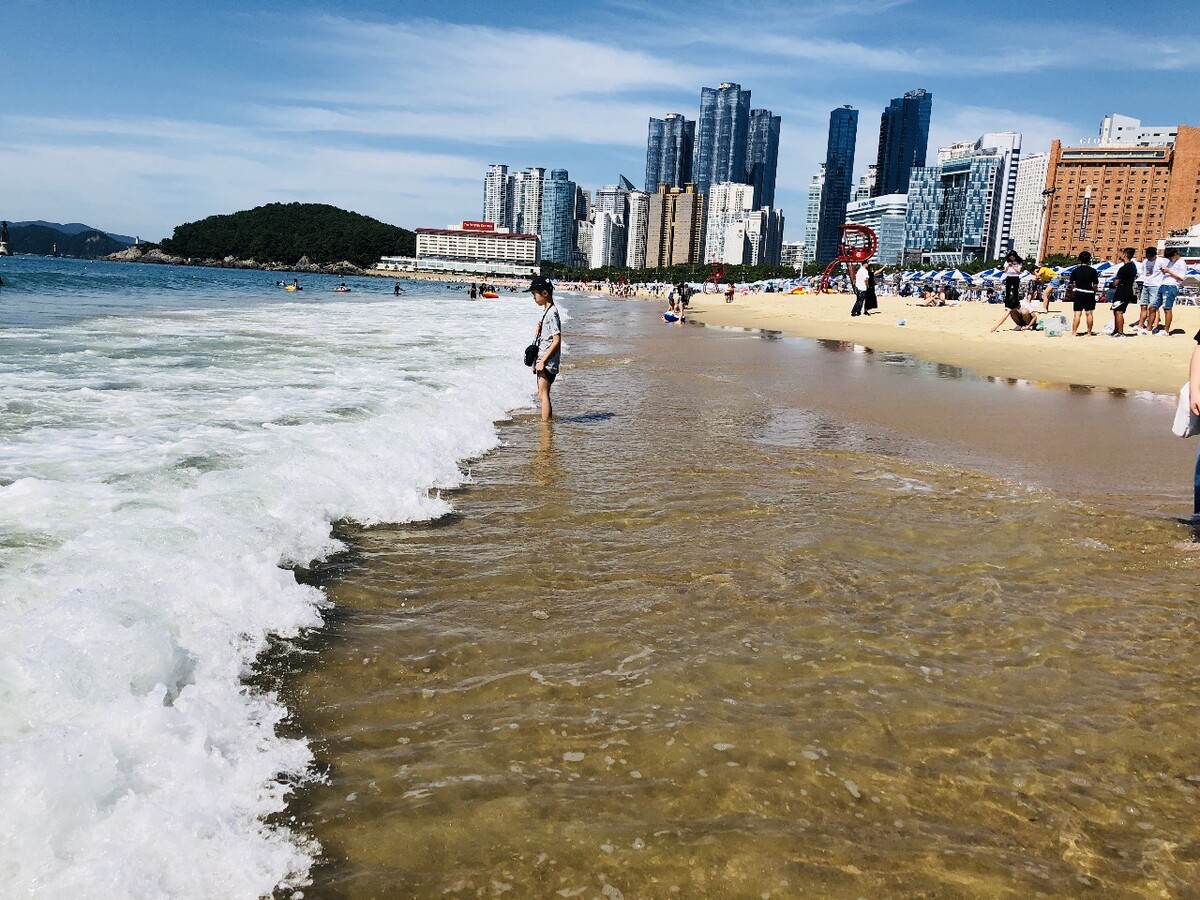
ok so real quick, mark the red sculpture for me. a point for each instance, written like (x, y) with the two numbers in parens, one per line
(716, 275)
(859, 244)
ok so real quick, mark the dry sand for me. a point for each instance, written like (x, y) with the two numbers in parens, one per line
(959, 335)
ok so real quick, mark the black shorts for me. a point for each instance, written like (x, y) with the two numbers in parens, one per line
(1082, 302)
(1120, 307)
(548, 375)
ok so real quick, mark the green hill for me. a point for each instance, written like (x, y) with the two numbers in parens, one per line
(41, 240)
(284, 232)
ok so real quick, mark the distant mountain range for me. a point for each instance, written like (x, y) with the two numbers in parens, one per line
(75, 228)
(43, 239)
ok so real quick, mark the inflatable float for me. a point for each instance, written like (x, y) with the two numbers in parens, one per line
(490, 295)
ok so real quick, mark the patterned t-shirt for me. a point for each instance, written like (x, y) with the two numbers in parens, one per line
(551, 325)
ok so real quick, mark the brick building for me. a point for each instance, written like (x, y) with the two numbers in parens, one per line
(1110, 196)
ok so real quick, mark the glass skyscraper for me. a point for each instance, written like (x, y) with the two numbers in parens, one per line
(839, 181)
(721, 136)
(558, 218)
(669, 148)
(903, 141)
(762, 156)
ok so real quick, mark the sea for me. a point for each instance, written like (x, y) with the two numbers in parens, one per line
(302, 600)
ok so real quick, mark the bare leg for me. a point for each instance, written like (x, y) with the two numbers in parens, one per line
(1075, 325)
(543, 385)
(1091, 322)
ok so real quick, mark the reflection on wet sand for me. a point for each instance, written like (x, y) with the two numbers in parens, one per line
(705, 637)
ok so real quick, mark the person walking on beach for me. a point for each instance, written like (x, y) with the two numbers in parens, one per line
(1123, 291)
(1084, 280)
(1151, 271)
(861, 278)
(1174, 270)
(549, 341)
(1012, 280)
(729, 293)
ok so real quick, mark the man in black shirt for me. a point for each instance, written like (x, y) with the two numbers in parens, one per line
(1083, 293)
(1123, 291)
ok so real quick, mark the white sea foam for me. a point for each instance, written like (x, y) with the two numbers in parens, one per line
(158, 470)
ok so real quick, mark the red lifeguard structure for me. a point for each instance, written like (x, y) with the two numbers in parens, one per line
(858, 244)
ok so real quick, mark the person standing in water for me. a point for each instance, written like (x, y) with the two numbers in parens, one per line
(549, 341)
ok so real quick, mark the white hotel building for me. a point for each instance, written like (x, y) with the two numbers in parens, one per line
(475, 248)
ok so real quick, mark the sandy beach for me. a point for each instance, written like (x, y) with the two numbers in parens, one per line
(959, 335)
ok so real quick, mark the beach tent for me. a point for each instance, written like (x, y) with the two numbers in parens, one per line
(1104, 266)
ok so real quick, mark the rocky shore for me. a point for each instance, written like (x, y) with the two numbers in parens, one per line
(155, 256)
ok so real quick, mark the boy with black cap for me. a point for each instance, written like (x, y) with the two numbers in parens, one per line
(549, 341)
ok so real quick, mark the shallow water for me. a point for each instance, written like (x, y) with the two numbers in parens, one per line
(764, 618)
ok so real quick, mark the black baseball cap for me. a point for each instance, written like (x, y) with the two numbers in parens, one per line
(541, 284)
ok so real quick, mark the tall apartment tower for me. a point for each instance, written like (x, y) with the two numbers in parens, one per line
(498, 196)
(637, 227)
(1029, 205)
(675, 235)
(721, 136)
(839, 181)
(727, 203)
(762, 156)
(813, 216)
(669, 148)
(903, 141)
(527, 200)
(558, 218)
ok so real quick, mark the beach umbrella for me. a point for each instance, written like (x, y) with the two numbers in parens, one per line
(1104, 266)
(957, 275)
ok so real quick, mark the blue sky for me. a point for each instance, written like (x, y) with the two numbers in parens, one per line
(138, 117)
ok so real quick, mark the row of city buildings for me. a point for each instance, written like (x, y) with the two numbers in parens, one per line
(708, 197)
(709, 192)
(1132, 185)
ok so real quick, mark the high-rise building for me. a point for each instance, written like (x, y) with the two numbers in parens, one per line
(1105, 197)
(1007, 146)
(727, 203)
(637, 227)
(527, 200)
(964, 203)
(608, 240)
(582, 256)
(583, 204)
(558, 218)
(1123, 131)
(865, 187)
(498, 196)
(675, 234)
(754, 238)
(1029, 205)
(669, 149)
(903, 140)
(792, 254)
(886, 217)
(762, 156)
(721, 136)
(813, 215)
(839, 181)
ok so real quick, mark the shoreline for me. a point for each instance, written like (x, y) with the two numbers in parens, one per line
(960, 336)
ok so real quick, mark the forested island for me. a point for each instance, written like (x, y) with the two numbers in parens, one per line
(303, 236)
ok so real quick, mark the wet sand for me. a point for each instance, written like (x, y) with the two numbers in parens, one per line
(770, 618)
